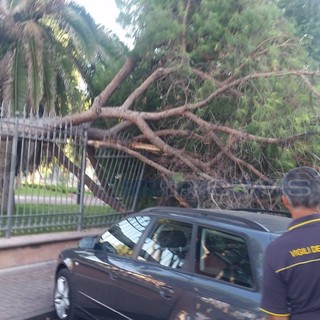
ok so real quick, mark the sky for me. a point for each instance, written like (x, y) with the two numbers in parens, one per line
(104, 12)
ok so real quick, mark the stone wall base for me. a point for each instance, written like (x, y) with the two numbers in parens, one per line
(24, 250)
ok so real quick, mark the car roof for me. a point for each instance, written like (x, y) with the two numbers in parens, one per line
(262, 220)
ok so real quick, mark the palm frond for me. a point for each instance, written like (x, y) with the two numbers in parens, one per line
(81, 35)
(34, 76)
(33, 45)
(54, 45)
(49, 83)
(19, 77)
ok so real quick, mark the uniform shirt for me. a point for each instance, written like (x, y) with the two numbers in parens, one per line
(291, 284)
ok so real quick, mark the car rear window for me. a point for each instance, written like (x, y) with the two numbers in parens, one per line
(224, 256)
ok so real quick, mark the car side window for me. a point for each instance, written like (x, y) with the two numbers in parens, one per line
(224, 256)
(122, 237)
(167, 244)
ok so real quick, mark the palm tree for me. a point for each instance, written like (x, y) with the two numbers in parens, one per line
(44, 47)
(48, 50)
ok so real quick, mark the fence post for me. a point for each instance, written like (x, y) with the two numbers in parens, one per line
(12, 176)
(82, 176)
(138, 187)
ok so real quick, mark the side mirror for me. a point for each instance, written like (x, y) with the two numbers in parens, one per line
(87, 242)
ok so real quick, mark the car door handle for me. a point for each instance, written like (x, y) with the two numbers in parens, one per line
(166, 292)
(114, 275)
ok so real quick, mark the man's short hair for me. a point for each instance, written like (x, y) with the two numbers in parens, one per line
(302, 187)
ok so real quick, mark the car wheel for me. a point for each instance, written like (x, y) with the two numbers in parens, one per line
(63, 300)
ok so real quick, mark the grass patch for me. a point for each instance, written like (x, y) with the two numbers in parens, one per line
(43, 208)
(46, 190)
(47, 218)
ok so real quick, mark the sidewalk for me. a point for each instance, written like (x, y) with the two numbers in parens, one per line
(27, 291)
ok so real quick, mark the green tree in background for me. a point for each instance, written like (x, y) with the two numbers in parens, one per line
(305, 16)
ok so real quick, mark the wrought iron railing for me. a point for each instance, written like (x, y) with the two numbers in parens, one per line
(50, 182)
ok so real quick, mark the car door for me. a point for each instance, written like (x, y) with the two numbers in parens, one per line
(157, 279)
(100, 273)
(224, 285)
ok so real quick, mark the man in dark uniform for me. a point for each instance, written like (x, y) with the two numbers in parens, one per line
(292, 262)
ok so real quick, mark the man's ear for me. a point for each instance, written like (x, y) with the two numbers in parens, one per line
(285, 201)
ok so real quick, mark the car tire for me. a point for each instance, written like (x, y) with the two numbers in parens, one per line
(63, 297)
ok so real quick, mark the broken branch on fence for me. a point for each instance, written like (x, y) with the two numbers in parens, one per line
(95, 189)
(164, 147)
(118, 146)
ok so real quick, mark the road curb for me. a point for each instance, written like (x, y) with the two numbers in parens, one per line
(27, 267)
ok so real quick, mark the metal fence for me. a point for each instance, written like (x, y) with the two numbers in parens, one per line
(51, 181)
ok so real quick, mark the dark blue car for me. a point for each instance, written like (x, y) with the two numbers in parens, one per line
(169, 263)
